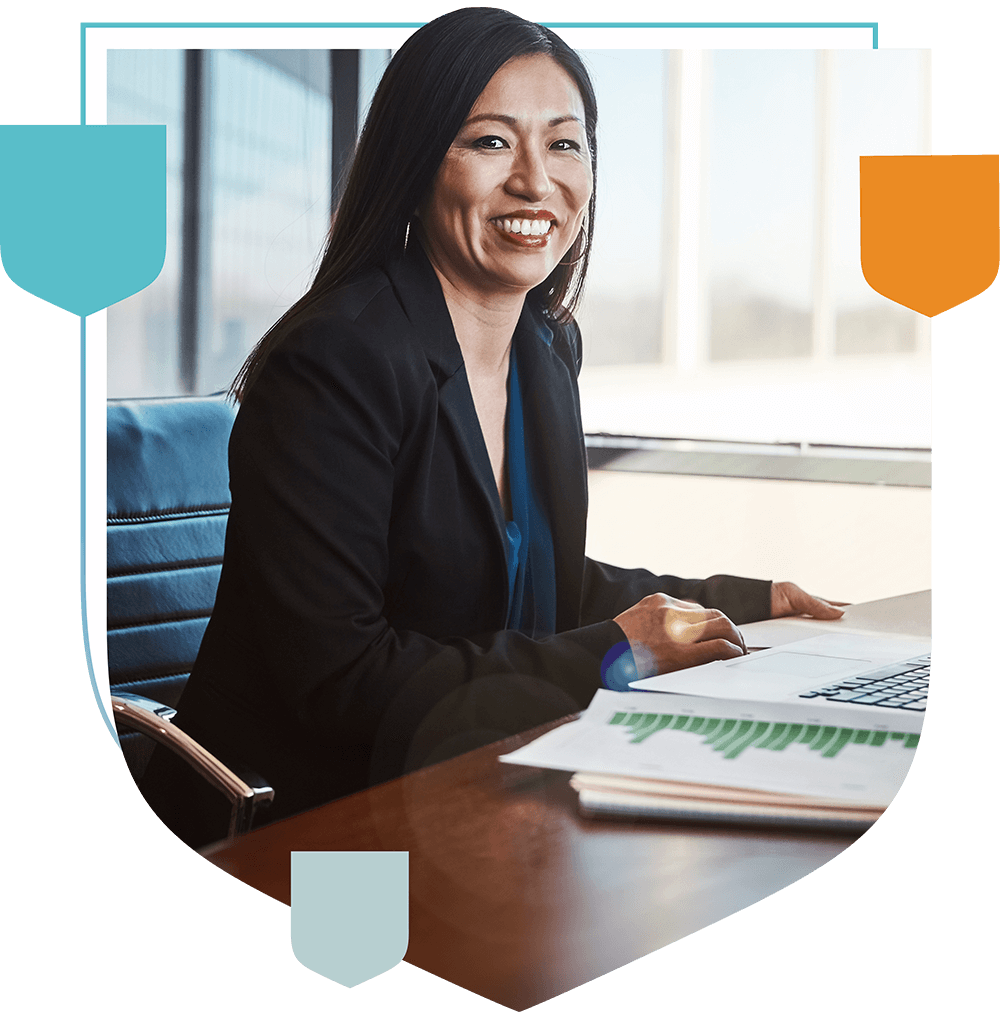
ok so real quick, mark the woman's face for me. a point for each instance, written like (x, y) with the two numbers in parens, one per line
(511, 193)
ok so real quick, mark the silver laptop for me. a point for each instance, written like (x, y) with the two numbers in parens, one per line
(843, 670)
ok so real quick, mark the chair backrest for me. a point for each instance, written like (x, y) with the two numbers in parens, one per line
(168, 503)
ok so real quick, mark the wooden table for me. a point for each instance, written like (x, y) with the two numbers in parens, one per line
(516, 897)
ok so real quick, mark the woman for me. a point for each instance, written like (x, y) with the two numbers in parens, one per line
(404, 575)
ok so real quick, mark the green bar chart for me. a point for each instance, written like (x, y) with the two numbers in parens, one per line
(732, 737)
(742, 744)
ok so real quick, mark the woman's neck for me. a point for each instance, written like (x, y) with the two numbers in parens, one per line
(484, 324)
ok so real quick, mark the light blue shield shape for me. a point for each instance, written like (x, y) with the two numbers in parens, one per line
(83, 211)
(350, 912)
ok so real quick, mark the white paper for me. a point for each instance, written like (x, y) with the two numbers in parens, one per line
(869, 772)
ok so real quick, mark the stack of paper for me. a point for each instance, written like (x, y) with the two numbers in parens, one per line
(689, 757)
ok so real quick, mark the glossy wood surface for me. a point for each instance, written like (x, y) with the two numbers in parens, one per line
(515, 896)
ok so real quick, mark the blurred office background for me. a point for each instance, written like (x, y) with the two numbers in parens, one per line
(752, 406)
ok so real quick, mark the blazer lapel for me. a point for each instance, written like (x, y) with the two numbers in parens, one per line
(455, 399)
(420, 294)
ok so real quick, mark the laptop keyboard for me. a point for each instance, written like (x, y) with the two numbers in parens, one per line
(900, 686)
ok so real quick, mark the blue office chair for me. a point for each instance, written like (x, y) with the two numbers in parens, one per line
(168, 502)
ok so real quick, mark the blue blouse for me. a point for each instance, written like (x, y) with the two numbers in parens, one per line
(531, 569)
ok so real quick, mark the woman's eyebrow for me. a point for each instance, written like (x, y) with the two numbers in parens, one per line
(512, 120)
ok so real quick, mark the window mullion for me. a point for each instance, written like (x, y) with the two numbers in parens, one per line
(196, 217)
(689, 282)
(824, 313)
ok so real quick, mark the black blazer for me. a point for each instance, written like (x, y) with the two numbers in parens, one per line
(358, 629)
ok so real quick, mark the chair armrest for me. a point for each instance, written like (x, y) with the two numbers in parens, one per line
(246, 792)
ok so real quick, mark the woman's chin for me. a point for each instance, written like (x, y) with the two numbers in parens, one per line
(524, 267)
(495, 267)
(521, 281)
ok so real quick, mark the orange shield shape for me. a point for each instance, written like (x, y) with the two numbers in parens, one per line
(930, 227)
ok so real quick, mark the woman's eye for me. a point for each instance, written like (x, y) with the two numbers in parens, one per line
(566, 145)
(491, 143)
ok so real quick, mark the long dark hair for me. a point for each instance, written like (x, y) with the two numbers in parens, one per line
(421, 103)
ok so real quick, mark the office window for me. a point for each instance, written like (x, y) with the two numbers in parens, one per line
(269, 184)
(758, 325)
(761, 199)
(247, 212)
(621, 316)
(147, 86)
(725, 298)
(879, 107)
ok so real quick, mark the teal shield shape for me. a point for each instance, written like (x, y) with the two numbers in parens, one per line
(83, 220)
(350, 912)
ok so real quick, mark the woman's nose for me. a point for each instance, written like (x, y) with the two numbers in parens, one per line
(529, 177)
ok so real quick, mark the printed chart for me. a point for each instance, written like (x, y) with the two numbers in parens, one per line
(731, 736)
(862, 758)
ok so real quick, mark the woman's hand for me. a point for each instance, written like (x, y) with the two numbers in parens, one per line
(789, 599)
(666, 634)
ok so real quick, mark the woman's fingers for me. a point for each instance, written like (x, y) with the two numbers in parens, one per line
(790, 599)
(706, 651)
(688, 627)
(819, 608)
(671, 635)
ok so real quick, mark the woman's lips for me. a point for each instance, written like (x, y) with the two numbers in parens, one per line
(526, 231)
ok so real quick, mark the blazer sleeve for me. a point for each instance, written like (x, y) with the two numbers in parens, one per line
(315, 452)
(609, 590)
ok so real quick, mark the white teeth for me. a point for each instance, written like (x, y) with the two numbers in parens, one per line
(525, 226)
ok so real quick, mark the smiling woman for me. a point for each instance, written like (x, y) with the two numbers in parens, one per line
(503, 210)
(404, 575)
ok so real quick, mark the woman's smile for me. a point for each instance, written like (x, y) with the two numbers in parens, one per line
(527, 229)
